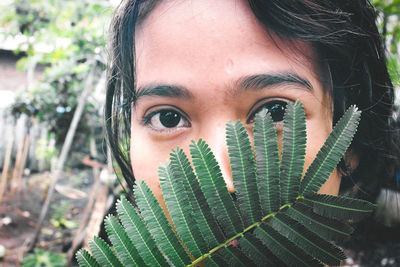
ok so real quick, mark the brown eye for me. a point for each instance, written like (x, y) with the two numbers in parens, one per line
(276, 108)
(170, 118)
(166, 119)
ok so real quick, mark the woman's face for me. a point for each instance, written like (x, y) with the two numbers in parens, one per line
(202, 63)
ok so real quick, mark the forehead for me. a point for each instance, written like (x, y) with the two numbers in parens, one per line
(212, 41)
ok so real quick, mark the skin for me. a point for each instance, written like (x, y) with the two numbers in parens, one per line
(209, 48)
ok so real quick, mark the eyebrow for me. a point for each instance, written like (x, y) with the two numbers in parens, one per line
(252, 82)
(174, 91)
(261, 81)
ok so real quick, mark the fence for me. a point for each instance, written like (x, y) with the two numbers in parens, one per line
(25, 135)
(25, 146)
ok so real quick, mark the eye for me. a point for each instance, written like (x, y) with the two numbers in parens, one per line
(165, 119)
(276, 108)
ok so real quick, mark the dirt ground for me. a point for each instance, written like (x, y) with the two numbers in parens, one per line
(19, 215)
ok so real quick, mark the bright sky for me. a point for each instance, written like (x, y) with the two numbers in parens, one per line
(6, 98)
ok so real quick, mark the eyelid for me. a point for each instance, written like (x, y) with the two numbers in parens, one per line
(159, 108)
(260, 103)
(165, 131)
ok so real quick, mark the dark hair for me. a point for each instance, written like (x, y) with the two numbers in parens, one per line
(346, 40)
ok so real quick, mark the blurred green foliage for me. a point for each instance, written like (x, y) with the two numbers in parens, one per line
(389, 26)
(59, 219)
(42, 258)
(68, 38)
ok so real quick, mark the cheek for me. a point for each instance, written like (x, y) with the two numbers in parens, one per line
(145, 159)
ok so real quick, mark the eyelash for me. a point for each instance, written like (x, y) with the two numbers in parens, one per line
(272, 104)
(147, 119)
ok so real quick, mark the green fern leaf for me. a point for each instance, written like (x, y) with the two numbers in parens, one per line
(139, 234)
(160, 229)
(331, 152)
(293, 151)
(85, 259)
(285, 250)
(306, 240)
(267, 162)
(209, 228)
(103, 253)
(234, 257)
(254, 248)
(243, 172)
(339, 207)
(182, 215)
(329, 229)
(295, 229)
(214, 188)
(216, 260)
(211, 263)
(124, 248)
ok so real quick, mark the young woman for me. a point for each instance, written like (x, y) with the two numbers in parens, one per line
(179, 70)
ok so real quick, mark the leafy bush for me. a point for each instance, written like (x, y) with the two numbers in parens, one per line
(67, 39)
(43, 258)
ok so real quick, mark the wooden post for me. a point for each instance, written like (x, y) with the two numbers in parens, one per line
(21, 159)
(32, 158)
(43, 146)
(64, 151)
(21, 165)
(17, 163)
(4, 174)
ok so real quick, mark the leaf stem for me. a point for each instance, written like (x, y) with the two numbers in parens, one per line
(226, 243)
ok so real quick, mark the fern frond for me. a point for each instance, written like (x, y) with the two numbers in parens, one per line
(139, 234)
(85, 259)
(267, 162)
(209, 228)
(329, 229)
(292, 227)
(256, 251)
(126, 252)
(293, 151)
(243, 172)
(216, 260)
(159, 227)
(306, 240)
(339, 207)
(234, 257)
(331, 152)
(103, 253)
(214, 188)
(285, 250)
(211, 263)
(181, 213)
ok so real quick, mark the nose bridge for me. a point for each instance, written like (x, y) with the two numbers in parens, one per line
(215, 138)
